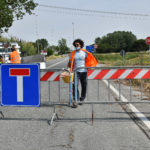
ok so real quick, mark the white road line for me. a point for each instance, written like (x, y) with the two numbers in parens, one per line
(141, 116)
(57, 63)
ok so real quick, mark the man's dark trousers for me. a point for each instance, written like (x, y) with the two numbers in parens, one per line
(82, 76)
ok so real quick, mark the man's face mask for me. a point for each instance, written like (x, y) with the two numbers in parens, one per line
(77, 46)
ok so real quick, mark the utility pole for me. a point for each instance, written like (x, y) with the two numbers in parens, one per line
(36, 30)
(73, 30)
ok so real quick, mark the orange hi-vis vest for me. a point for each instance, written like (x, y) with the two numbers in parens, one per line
(90, 60)
(14, 57)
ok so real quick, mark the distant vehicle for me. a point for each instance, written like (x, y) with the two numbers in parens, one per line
(5, 50)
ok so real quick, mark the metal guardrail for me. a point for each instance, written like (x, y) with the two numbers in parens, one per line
(33, 59)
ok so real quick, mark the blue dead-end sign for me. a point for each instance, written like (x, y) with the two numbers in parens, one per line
(20, 85)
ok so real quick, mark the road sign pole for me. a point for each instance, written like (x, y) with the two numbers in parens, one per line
(123, 59)
(148, 43)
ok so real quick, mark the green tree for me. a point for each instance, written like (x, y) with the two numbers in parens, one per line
(139, 45)
(50, 51)
(11, 9)
(114, 42)
(27, 49)
(42, 43)
(98, 40)
(62, 45)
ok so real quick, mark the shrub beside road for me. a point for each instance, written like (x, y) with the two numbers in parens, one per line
(131, 59)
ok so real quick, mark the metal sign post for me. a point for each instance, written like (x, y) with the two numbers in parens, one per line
(149, 52)
(122, 53)
(148, 43)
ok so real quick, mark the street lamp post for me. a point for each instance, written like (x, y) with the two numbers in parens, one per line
(36, 28)
(73, 30)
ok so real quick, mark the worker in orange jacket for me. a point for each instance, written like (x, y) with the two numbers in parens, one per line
(81, 58)
(14, 56)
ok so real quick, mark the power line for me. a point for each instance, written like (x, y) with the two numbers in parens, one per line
(90, 14)
(94, 11)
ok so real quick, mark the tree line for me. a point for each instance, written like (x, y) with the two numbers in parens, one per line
(33, 48)
(120, 40)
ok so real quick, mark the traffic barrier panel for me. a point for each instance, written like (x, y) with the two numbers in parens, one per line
(113, 76)
(53, 88)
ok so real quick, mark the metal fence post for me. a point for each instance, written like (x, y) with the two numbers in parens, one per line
(59, 89)
(49, 91)
(141, 89)
(75, 86)
(130, 89)
(98, 91)
(70, 90)
(119, 90)
(108, 90)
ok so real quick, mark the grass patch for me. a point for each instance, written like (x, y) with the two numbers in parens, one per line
(130, 59)
(53, 57)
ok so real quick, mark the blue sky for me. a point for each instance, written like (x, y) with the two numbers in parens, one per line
(54, 26)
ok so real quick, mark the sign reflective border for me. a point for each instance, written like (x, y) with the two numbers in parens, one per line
(20, 85)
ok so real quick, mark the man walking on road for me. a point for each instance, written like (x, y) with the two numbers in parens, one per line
(81, 58)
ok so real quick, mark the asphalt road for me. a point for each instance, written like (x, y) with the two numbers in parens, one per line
(26, 128)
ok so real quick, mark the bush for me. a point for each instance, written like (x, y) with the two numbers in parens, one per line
(49, 52)
(28, 49)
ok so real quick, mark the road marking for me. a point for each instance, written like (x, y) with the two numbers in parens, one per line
(57, 63)
(141, 116)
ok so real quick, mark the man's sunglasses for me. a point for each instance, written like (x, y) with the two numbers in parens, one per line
(76, 45)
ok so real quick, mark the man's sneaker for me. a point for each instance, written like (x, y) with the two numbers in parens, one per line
(81, 100)
(74, 104)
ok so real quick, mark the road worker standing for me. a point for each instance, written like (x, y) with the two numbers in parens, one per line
(81, 58)
(1, 59)
(14, 56)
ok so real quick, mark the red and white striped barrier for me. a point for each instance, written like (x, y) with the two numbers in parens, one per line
(50, 76)
(119, 74)
(104, 74)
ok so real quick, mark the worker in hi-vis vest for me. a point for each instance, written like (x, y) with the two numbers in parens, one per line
(14, 56)
(81, 58)
(1, 59)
